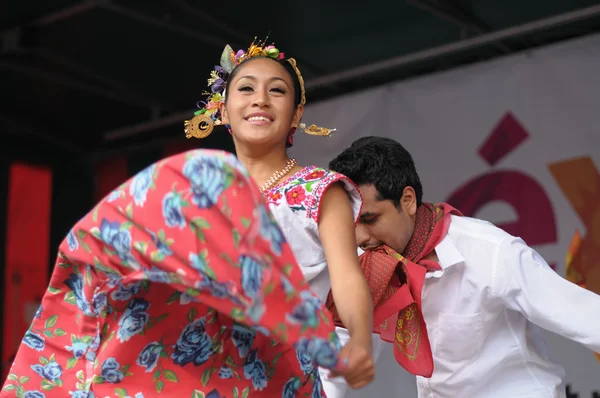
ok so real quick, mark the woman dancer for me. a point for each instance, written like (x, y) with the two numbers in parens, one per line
(178, 284)
(259, 96)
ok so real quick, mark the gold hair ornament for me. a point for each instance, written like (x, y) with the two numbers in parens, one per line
(200, 126)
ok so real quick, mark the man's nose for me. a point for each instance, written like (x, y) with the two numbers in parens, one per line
(362, 235)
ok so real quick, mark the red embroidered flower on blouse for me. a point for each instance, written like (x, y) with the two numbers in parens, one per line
(295, 196)
(315, 175)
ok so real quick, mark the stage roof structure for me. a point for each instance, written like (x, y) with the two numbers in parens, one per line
(83, 79)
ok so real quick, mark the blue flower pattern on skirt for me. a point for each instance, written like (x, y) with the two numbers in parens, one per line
(194, 345)
(125, 292)
(225, 373)
(140, 185)
(305, 313)
(34, 341)
(243, 338)
(111, 372)
(252, 276)
(255, 370)
(172, 204)
(75, 283)
(120, 240)
(34, 394)
(178, 283)
(269, 231)
(208, 178)
(148, 358)
(72, 241)
(51, 371)
(133, 319)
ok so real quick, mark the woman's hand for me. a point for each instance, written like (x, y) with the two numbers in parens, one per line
(356, 364)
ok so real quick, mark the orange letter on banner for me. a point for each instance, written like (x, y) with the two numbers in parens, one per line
(580, 182)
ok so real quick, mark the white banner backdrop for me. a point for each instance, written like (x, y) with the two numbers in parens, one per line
(546, 102)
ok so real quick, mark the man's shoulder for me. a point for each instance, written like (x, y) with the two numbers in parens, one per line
(479, 242)
(475, 229)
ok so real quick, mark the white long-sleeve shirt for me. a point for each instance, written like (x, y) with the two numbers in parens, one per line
(483, 312)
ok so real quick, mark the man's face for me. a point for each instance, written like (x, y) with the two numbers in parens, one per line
(382, 222)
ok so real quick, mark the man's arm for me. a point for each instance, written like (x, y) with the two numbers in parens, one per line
(525, 283)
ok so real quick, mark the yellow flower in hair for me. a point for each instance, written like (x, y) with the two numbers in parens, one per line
(216, 97)
(254, 50)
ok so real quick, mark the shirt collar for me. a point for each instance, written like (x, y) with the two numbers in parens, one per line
(448, 255)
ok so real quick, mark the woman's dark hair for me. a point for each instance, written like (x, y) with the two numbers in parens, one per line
(383, 163)
(286, 65)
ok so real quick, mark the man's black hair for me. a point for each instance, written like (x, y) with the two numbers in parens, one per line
(381, 162)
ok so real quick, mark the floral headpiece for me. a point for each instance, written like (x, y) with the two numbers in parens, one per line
(209, 114)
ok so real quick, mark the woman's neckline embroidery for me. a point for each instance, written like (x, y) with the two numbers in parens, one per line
(293, 177)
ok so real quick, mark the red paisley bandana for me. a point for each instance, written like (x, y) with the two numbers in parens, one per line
(396, 282)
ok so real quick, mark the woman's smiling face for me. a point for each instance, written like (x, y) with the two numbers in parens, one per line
(259, 105)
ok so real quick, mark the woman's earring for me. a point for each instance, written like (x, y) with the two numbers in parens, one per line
(316, 130)
(290, 138)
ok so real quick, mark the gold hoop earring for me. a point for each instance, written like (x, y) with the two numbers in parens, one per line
(199, 127)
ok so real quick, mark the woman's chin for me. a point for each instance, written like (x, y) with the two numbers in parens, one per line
(256, 139)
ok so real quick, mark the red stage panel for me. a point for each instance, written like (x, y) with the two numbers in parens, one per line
(180, 146)
(27, 252)
(110, 174)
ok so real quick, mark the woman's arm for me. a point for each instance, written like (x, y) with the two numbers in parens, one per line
(349, 287)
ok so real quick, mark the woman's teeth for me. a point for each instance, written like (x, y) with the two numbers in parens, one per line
(259, 119)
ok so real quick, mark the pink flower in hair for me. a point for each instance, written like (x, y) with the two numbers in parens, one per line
(211, 105)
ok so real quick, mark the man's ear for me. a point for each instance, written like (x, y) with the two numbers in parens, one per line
(408, 202)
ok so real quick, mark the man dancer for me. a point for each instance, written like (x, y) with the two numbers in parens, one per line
(485, 292)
